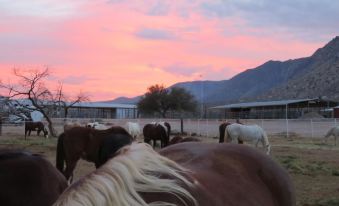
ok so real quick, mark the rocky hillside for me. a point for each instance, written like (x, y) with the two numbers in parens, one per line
(321, 78)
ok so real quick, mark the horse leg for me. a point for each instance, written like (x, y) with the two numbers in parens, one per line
(70, 165)
(335, 140)
(154, 143)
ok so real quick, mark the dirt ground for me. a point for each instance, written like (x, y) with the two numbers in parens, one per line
(312, 164)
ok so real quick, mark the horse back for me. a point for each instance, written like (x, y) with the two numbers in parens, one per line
(40, 183)
(230, 174)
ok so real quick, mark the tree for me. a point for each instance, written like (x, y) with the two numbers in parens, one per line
(31, 86)
(160, 100)
(66, 102)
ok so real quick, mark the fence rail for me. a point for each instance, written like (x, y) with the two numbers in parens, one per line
(206, 127)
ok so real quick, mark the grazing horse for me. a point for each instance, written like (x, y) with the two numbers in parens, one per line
(87, 143)
(35, 126)
(156, 132)
(28, 179)
(133, 129)
(334, 131)
(187, 174)
(69, 125)
(236, 132)
(178, 139)
(175, 140)
(97, 125)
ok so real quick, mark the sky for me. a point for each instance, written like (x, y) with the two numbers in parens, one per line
(112, 48)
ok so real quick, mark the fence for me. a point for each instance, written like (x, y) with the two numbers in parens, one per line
(208, 127)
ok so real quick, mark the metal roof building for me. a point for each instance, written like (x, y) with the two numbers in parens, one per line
(103, 110)
(276, 109)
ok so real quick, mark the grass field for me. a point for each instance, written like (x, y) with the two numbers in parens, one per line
(313, 165)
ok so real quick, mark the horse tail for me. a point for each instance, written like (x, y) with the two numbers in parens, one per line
(60, 156)
(266, 142)
(222, 129)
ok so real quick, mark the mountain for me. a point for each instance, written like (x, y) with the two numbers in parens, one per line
(321, 79)
(124, 100)
(312, 76)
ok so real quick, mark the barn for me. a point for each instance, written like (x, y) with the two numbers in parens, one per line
(102, 111)
(88, 110)
(291, 109)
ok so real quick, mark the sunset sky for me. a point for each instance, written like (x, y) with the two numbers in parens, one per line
(111, 48)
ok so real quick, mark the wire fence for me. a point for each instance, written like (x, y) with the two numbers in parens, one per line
(204, 127)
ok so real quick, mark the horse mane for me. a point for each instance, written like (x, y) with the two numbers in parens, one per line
(136, 169)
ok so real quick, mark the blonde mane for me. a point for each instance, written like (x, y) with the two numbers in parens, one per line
(137, 168)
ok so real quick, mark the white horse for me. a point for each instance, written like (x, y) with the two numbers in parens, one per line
(254, 133)
(133, 129)
(334, 131)
(97, 125)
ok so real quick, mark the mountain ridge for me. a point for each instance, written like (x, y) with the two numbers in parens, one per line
(274, 80)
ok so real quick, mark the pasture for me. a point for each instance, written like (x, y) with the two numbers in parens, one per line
(313, 165)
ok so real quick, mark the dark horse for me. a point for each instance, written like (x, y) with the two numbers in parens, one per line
(157, 131)
(187, 174)
(222, 129)
(88, 144)
(28, 179)
(35, 126)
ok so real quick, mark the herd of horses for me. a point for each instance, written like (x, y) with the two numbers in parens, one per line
(184, 172)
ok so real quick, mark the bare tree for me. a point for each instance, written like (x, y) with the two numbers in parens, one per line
(66, 102)
(31, 86)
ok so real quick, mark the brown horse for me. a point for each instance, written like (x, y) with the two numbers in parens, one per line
(157, 131)
(87, 143)
(35, 126)
(187, 174)
(178, 139)
(28, 179)
(222, 129)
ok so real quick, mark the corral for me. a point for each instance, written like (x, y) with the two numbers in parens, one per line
(312, 164)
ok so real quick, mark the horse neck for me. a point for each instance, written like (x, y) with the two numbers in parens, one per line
(137, 169)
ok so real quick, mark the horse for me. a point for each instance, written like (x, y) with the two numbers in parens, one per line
(86, 143)
(69, 125)
(187, 174)
(235, 132)
(178, 139)
(222, 128)
(133, 129)
(155, 131)
(28, 179)
(175, 140)
(97, 125)
(35, 126)
(334, 131)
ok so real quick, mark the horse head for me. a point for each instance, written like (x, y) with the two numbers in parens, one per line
(45, 130)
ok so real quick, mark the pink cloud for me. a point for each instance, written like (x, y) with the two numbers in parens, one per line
(106, 49)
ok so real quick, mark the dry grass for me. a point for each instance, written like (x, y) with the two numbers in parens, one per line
(313, 165)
